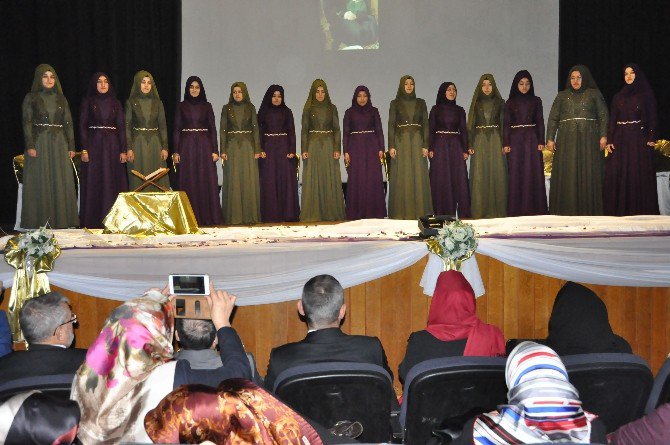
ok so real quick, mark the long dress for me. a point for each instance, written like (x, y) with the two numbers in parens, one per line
(488, 166)
(448, 170)
(523, 132)
(577, 170)
(241, 200)
(409, 184)
(279, 181)
(630, 178)
(103, 177)
(363, 138)
(146, 134)
(49, 194)
(195, 142)
(322, 198)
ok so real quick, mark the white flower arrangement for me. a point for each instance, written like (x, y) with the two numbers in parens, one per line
(37, 243)
(455, 242)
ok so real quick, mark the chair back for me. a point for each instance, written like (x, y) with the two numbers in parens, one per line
(57, 385)
(660, 392)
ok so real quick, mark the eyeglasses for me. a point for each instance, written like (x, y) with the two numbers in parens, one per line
(72, 320)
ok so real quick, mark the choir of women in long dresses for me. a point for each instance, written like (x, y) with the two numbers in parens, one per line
(240, 150)
(523, 140)
(409, 185)
(630, 178)
(448, 151)
(322, 198)
(49, 195)
(488, 166)
(279, 182)
(196, 152)
(363, 144)
(579, 116)
(103, 136)
(146, 130)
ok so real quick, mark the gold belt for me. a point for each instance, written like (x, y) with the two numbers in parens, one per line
(145, 129)
(447, 132)
(577, 119)
(240, 132)
(48, 125)
(321, 131)
(361, 132)
(195, 129)
(523, 125)
(486, 126)
(101, 127)
(628, 122)
(275, 134)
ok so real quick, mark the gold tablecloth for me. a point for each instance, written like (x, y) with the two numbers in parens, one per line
(151, 213)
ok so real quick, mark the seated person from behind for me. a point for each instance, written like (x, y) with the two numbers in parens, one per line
(322, 304)
(198, 341)
(47, 324)
(543, 407)
(453, 328)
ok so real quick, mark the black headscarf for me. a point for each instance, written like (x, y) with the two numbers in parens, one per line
(442, 94)
(202, 97)
(267, 104)
(514, 89)
(587, 79)
(579, 323)
(640, 85)
(92, 89)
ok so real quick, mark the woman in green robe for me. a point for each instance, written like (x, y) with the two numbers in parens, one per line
(488, 166)
(579, 115)
(49, 195)
(240, 150)
(320, 145)
(146, 131)
(409, 184)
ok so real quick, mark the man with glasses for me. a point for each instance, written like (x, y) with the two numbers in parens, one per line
(47, 323)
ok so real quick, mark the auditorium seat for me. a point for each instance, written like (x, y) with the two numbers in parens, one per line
(57, 385)
(614, 386)
(329, 392)
(446, 392)
(255, 376)
(660, 392)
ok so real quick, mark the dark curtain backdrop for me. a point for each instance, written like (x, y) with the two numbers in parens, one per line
(78, 38)
(606, 34)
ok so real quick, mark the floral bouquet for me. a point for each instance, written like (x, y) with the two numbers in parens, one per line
(455, 242)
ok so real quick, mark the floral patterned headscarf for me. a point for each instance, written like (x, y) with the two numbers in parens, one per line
(135, 339)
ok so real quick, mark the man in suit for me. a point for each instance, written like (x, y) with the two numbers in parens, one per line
(322, 305)
(47, 324)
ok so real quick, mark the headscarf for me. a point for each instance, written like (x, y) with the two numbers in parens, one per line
(92, 90)
(37, 86)
(442, 94)
(245, 94)
(587, 79)
(136, 92)
(238, 411)
(452, 316)
(311, 98)
(401, 94)
(514, 89)
(640, 85)
(267, 105)
(478, 95)
(354, 104)
(34, 418)
(543, 405)
(135, 339)
(579, 323)
(202, 97)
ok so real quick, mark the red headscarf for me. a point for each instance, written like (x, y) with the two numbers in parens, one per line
(453, 316)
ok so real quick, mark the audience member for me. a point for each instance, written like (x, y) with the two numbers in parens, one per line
(652, 429)
(198, 342)
(34, 418)
(322, 305)
(543, 406)
(453, 328)
(47, 324)
(129, 367)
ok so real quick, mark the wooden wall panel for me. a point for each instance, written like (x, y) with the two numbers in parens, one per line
(391, 307)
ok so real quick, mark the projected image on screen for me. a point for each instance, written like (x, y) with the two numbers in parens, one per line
(350, 24)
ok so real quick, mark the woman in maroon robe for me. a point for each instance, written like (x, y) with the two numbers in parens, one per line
(523, 142)
(103, 141)
(277, 170)
(196, 152)
(630, 178)
(448, 152)
(363, 143)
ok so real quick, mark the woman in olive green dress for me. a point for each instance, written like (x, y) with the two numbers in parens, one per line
(146, 131)
(320, 145)
(488, 166)
(579, 115)
(409, 183)
(49, 195)
(240, 150)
